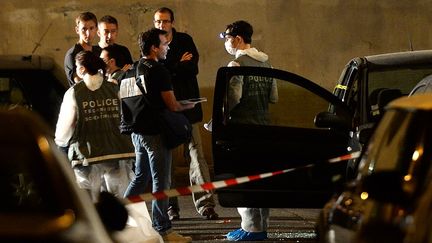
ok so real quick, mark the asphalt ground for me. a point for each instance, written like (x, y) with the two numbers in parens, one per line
(286, 225)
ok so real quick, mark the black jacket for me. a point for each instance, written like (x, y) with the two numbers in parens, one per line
(184, 74)
(69, 61)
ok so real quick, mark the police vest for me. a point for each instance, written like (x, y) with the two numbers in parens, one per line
(253, 106)
(97, 137)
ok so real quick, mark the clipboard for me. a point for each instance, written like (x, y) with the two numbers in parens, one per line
(193, 100)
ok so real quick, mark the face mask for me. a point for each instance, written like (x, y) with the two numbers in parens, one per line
(229, 48)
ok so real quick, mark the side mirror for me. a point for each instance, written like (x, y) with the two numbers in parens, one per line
(327, 119)
(112, 212)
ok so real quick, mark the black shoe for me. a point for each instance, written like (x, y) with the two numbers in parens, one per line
(210, 214)
(173, 214)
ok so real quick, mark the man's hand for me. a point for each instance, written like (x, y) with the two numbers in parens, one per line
(76, 79)
(126, 67)
(189, 106)
(186, 57)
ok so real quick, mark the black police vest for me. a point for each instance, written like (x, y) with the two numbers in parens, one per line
(97, 137)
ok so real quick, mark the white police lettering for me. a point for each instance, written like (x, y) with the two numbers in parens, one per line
(99, 103)
(100, 109)
(260, 79)
(103, 116)
(258, 85)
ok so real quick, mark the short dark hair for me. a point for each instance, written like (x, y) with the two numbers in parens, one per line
(108, 19)
(114, 52)
(148, 39)
(241, 28)
(90, 62)
(85, 16)
(165, 10)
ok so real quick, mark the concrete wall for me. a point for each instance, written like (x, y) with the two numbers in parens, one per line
(313, 38)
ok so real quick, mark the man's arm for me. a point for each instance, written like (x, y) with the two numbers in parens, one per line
(171, 102)
(69, 67)
(188, 63)
(129, 59)
(126, 55)
(274, 96)
(235, 88)
(67, 118)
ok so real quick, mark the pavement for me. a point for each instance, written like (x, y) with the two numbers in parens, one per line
(286, 225)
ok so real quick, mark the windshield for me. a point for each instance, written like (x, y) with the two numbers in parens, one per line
(401, 143)
(37, 90)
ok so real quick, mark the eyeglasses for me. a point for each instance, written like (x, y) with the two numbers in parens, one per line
(162, 21)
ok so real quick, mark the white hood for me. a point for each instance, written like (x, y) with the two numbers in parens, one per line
(253, 53)
(93, 82)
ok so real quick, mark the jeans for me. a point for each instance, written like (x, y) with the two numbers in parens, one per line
(152, 157)
(198, 173)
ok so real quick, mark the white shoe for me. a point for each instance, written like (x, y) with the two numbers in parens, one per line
(176, 237)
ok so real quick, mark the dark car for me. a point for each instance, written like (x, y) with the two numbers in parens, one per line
(388, 199)
(368, 83)
(309, 125)
(28, 81)
(245, 149)
(40, 200)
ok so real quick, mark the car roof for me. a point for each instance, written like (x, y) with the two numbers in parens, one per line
(406, 58)
(26, 62)
(416, 102)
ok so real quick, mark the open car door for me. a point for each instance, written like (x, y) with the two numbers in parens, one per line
(289, 140)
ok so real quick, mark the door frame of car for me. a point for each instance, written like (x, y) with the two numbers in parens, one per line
(223, 132)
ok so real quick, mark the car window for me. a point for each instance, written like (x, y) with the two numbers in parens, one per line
(12, 94)
(402, 79)
(37, 90)
(352, 98)
(387, 85)
(276, 103)
(346, 89)
(398, 144)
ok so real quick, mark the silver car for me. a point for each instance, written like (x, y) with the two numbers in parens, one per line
(40, 201)
(384, 201)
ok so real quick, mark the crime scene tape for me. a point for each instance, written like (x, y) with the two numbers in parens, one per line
(353, 155)
(181, 191)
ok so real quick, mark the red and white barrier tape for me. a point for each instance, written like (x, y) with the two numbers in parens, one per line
(353, 155)
(181, 191)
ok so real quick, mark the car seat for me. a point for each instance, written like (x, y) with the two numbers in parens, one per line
(387, 95)
(379, 98)
(373, 101)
